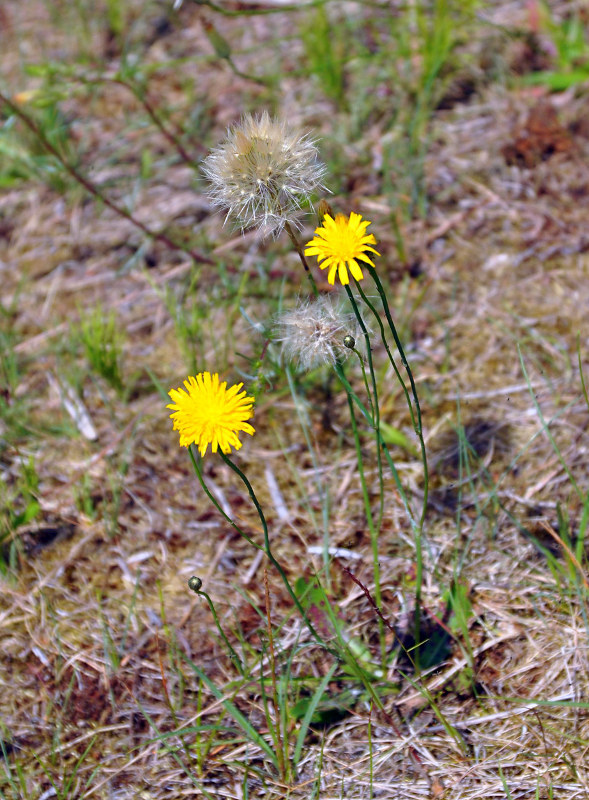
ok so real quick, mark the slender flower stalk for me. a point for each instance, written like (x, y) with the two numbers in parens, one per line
(415, 417)
(368, 417)
(264, 173)
(268, 550)
(299, 249)
(372, 527)
(372, 394)
(415, 413)
(196, 585)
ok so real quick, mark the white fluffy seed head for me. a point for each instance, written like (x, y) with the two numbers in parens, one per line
(263, 173)
(313, 333)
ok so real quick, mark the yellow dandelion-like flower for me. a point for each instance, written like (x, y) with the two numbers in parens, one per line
(209, 413)
(340, 243)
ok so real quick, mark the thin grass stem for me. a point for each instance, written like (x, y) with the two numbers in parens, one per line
(546, 429)
(374, 531)
(276, 726)
(321, 489)
(95, 192)
(375, 407)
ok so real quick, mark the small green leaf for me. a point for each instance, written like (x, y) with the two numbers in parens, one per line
(396, 437)
(221, 45)
(248, 729)
(557, 81)
(27, 515)
(306, 708)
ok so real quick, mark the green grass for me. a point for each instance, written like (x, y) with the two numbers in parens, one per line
(568, 38)
(19, 506)
(103, 345)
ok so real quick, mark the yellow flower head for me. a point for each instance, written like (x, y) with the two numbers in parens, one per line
(340, 243)
(209, 413)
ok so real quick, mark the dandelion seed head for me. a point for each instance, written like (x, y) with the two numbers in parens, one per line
(314, 333)
(263, 172)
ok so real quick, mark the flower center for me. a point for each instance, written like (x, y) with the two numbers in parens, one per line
(345, 241)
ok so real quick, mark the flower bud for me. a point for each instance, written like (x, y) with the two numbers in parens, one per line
(324, 208)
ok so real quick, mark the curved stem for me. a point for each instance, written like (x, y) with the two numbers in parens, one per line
(374, 531)
(347, 386)
(419, 423)
(298, 247)
(232, 654)
(376, 406)
(268, 549)
(418, 427)
(215, 502)
(389, 353)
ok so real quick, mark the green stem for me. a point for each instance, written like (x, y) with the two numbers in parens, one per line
(268, 549)
(390, 355)
(375, 408)
(382, 444)
(216, 503)
(366, 384)
(232, 654)
(418, 428)
(276, 728)
(374, 532)
(419, 423)
(322, 491)
(298, 247)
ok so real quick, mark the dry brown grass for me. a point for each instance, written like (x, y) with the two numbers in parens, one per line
(96, 620)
